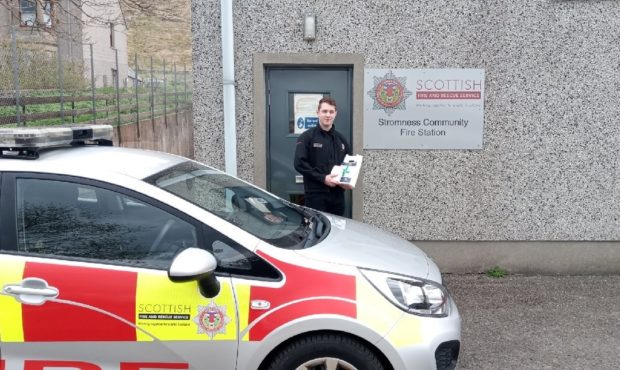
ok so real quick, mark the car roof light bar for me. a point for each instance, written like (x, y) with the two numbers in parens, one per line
(27, 141)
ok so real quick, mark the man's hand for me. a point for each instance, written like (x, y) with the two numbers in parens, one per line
(346, 186)
(330, 180)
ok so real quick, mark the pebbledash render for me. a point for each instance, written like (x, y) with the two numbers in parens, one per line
(540, 195)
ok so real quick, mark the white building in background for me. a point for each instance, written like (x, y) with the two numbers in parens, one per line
(70, 27)
(108, 39)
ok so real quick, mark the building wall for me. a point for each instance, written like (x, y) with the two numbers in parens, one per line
(5, 20)
(98, 34)
(39, 39)
(72, 33)
(550, 164)
(69, 30)
(173, 134)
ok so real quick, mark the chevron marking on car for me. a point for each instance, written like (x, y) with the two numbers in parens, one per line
(55, 321)
(330, 293)
(129, 306)
(397, 326)
(11, 317)
(172, 311)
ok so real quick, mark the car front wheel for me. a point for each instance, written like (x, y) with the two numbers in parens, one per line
(326, 352)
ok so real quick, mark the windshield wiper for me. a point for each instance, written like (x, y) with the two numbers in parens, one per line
(319, 228)
(316, 224)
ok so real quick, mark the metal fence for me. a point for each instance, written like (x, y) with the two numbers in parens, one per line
(41, 86)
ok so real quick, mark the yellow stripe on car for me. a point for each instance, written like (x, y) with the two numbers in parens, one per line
(11, 272)
(376, 312)
(177, 311)
(243, 303)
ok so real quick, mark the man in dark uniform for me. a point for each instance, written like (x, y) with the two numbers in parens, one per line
(318, 150)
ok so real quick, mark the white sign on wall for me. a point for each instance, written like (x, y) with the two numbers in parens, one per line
(423, 108)
(305, 108)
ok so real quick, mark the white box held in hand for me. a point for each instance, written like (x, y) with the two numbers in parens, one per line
(349, 170)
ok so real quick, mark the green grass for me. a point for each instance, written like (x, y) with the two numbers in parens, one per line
(127, 103)
(497, 272)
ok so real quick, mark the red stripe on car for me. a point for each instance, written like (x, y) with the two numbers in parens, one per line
(112, 291)
(301, 284)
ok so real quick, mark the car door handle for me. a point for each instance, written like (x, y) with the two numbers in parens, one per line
(33, 291)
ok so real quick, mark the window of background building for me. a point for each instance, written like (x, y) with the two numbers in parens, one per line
(28, 10)
(114, 77)
(112, 35)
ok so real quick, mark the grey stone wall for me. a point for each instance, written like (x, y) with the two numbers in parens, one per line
(549, 166)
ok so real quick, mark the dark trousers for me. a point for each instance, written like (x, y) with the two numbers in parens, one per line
(330, 202)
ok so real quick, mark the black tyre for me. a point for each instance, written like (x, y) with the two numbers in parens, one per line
(326, 352)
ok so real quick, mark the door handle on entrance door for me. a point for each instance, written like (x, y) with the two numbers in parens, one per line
(33, 291)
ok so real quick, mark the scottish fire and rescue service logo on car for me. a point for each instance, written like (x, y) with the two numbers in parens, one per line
(389, 93)
(211, 319)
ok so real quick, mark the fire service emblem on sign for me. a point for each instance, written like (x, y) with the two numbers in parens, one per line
(389, 93)
(211, 319)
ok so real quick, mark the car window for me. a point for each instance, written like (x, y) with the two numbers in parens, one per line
(264, 215)
(235, 260)
(77, 220)
(228, 257)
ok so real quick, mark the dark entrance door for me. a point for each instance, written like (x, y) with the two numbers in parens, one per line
(292, 97)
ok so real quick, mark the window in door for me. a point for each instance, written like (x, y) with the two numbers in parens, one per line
(233, 259)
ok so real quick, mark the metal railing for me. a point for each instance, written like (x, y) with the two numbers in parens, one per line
(40, 86)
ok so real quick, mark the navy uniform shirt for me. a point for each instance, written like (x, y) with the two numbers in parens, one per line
(316, 153)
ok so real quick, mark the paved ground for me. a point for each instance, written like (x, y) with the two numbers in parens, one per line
(538, 322)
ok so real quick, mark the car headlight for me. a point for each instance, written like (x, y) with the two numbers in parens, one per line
(414, 295)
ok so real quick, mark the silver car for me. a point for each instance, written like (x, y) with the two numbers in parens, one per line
(126, 259)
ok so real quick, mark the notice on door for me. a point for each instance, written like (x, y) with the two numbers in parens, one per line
(423, 108)
(305, 109)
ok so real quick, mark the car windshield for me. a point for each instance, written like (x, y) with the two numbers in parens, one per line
(271, 219)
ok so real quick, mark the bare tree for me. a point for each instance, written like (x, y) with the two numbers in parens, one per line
(164, 10)
(42, 14)
(64, 22)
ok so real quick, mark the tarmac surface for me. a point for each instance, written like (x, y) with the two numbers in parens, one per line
(538, 322)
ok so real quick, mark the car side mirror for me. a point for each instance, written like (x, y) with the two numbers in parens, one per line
(199, 265)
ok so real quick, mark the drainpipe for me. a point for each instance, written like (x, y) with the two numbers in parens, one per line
(228, 70)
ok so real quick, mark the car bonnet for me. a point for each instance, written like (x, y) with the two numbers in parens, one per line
(353, 243)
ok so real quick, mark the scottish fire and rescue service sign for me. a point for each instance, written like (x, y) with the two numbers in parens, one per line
(423, 108)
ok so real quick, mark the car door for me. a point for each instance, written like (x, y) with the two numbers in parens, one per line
(83, 273)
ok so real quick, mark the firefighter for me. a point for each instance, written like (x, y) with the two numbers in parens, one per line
(318, 150)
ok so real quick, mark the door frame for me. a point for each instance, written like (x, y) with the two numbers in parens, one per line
(261, 62)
